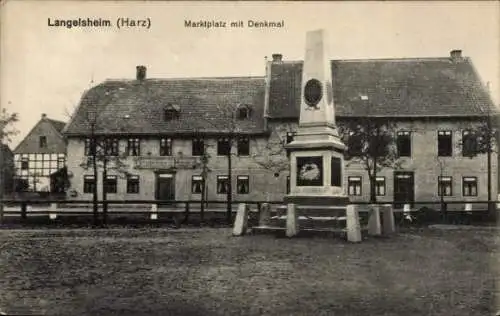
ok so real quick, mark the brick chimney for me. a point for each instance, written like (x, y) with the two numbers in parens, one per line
(44, 116)
(456, 54)
(277, 58)
(141, 72)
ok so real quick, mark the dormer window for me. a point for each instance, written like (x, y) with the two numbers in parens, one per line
(243, 112)
(171, 112)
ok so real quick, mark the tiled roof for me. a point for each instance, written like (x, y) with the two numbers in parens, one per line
(137, 106)
(394, 87)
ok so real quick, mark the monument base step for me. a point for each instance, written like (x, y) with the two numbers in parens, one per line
(281, 231)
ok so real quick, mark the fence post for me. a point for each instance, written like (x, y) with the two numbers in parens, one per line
(241, 221)
(52, 211)
(292, 220)
(23, 210)
(353, 225)
(264, 214)
(154, 210)
(389, 226)
(104, 213)
(186, 215)
(374, 225)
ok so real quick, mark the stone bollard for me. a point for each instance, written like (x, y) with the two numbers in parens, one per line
(389, 226)
(292, 220)
(353, 225)
(265, 214)
(154, 212)
(468, 207)
(52, 211)
(241, 221)
(374, 225)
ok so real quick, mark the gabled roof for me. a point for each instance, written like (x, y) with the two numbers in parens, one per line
(136, 106)
(58, 125)
(29, 144)
(409, 87)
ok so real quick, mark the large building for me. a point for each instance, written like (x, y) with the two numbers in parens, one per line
(161, 129)
(40, 156)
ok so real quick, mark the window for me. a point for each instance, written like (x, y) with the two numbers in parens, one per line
(469, 186)
(87, 147)
(469, 144)
(111, 146)
(445, 186)
(134, 147)
(404, 144)
(43, 141)
(132, 184)
(445, 147)
(166, 147)
(380, 186)
(336, 172)
(110, 184)
(198, 148)
(243, 146)
(197, 184)
(24, 163)
(222, 184)
(289, 137)
(171, 112)
(223, 147)
(243, 113)
(242, 185)
(88, 184)
(287, 184)
(354, 185)
(61, 161)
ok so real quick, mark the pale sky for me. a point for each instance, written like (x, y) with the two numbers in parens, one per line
(46, 69)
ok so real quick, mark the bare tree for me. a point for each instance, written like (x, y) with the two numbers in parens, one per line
(7, 130)
(272, 154)
(371, 142)
(481, 137)
(102, 152)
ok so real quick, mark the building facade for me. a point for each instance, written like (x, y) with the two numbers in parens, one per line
(41, 154)
(170, 137)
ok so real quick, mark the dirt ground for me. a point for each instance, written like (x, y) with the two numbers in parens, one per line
(206, 271)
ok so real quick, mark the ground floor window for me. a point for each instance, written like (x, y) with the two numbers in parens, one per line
(110, 184)
(469, 186)
(445, 186)
(197, 184)
(242, 184)
(88, 184)
(354, 185)
(380, 186)
(133, 184)
(222, 184)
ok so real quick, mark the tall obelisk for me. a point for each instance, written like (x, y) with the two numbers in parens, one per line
(317, 152)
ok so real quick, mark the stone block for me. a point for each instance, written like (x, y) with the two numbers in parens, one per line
(353, 226)
(389, 226)
(292, 220)
(241, 221)
(265, 214)
(374, 225)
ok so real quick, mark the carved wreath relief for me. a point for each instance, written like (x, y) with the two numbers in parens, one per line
(310, 171)
(313, 91)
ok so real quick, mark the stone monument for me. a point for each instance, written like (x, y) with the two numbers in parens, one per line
(317, 152)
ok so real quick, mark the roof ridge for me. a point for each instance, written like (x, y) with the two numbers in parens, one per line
(185, 78)
(377, 59)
